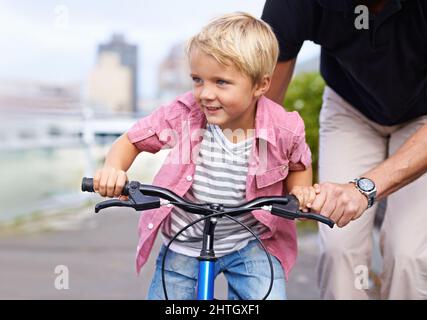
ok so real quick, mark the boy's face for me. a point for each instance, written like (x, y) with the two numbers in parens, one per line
(226, 95)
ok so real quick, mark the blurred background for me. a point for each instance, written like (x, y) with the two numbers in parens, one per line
(74, 75)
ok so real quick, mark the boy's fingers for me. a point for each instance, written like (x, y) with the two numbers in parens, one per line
(311, 197)
(307, 198)
(103, 182)
(120, 183)
(96, 179)
(111, 183)
(304, 198)
(298, 195)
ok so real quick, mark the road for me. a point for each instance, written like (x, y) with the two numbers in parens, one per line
(98, 252)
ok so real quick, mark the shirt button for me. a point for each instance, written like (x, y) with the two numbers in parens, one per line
(150, 226)
(189, 178)
(150, 131)
(169, 205)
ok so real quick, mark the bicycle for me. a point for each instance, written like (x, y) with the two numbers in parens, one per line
(145, 197)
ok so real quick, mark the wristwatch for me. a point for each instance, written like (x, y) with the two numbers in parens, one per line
(367, 188)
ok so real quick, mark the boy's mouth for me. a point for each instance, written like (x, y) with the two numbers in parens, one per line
(212, 108)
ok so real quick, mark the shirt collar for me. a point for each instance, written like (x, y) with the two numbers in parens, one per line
(264, 128)
(187, 99)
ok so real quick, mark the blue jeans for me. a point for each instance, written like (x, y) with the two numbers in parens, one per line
(247, 272)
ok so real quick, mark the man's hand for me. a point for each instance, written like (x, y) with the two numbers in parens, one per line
(340, 202)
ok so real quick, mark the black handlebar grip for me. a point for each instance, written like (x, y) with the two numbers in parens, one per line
(87, 185)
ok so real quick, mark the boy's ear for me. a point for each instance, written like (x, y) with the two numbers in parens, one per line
(262, 86)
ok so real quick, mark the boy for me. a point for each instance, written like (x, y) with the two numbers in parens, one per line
(229, 144)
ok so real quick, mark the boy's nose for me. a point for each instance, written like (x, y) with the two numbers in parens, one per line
(207, 93)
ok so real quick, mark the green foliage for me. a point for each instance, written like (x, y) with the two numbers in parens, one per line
(305, 96)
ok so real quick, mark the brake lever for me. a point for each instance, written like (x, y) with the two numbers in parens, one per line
(288, 210)
(137, 200)
(284, 211)
(291, 211)
(112, 203)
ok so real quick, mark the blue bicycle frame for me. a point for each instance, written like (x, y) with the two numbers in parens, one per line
(206, 277)
(206, 281)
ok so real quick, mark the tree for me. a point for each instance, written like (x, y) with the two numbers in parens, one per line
(305, 96)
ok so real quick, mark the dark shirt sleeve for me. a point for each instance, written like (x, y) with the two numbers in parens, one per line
(292, 22)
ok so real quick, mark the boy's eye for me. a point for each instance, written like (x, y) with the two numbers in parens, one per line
(221, 82)
(196, 80)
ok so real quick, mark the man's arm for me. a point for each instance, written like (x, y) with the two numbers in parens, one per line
(407, 164)
(343, 202)
(280, 81)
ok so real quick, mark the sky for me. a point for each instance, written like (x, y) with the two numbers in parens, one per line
(56, 41)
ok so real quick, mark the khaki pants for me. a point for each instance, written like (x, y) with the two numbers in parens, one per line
(350, 145)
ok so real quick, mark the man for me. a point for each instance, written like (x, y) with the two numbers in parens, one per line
(373, 132)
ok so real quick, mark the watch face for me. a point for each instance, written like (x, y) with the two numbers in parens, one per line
(366, 184)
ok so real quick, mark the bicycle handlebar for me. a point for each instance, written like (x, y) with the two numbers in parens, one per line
(144, 197)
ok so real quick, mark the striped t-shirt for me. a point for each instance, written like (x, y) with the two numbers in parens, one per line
(220, 177)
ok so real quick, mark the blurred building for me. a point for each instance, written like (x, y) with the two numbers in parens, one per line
(30, 111)
(113, 82)
(174, 74)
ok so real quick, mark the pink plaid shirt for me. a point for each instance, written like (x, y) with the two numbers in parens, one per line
(279, 147)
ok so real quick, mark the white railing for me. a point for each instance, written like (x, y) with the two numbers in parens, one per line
(28, 130)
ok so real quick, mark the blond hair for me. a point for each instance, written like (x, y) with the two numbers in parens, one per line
(241, 40)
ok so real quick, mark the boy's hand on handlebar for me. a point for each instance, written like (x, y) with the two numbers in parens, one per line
(305, 195)
(109, 181)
